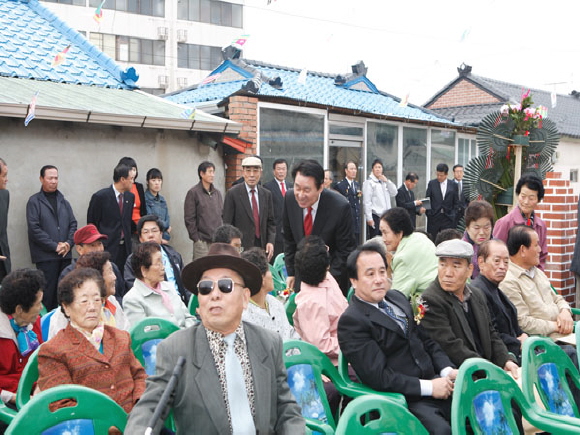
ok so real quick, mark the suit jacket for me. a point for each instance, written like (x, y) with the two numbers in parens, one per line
(238, 212)
(504, 315)
(406, 199)
(438, 204)
(333, 223)
(47, 227)
(69, 358)
(445, 320)
(382, 355)
(276, 409)
(462, 201)
(278, 202)
(104, 213)
(351, 194)
(4, 248)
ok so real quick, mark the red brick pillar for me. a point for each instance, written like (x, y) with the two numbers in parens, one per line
(559, 210)
(245, 111)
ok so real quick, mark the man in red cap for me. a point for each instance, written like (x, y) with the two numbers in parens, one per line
(89, 239)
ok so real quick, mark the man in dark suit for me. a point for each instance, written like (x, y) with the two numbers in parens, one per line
(444, 200)
(493, 259)
(309, 208)
(233, 380)
(350, 189)
(110, 210)
(278, 188)
(5, 266)
(406, 198)
(249, 208)
(387, 349)
(458, 317)
(462, 201)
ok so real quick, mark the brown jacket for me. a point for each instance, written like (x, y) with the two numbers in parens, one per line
(69, 358)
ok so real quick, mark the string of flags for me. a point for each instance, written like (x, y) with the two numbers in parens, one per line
(239, 42)
(98, 16)
(209, 79)
(31, 110)
(60, 57)
(188, 114)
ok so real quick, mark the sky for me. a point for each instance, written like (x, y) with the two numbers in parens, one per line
(415, 47)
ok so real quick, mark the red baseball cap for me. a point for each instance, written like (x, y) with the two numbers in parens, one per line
(88, 234)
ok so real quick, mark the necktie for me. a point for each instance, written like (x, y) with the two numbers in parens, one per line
(256, 214)
(240, 413)
(120, 199)
(400, 320)
(283, 189)
(308, 222)
(460, 188)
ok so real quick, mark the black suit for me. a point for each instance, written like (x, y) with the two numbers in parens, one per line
(462, 201)
(406, 199)
(238, 212)
(443, 210)
(4, 248)
(105, 214)
(278, 202)
(388, 360)
(351, 194)
(504, 315)
(333, 223)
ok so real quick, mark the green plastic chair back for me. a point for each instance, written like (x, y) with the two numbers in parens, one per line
(388, 417)
(306, 364)
(27, 380)
(6, 414)
(343, 372)
(279, 268)
(290, 307)
(145, 335)
(193, 305)
(545, 366)
(350, 294)
(43, 311)
(93, 413)
(482, 396)
(279, 282)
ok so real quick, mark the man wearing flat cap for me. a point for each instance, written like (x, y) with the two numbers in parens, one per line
(233, 380)
(457, 316)
(249, 208)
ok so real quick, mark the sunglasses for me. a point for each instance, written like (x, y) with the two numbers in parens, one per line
(226, 285)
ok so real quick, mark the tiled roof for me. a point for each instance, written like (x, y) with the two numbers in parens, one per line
(566, 114)
(358, 94)
(32, 36)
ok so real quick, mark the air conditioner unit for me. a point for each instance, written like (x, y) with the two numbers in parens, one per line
(182, 35)
(181, 82)
(163, 81)
(162, 32)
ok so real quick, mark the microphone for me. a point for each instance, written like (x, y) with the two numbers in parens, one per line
(162, 408)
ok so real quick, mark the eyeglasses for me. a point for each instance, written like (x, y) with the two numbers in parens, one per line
(152, 231)
(226, 285)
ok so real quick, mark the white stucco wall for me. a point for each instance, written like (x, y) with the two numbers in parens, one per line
(568, 159)
(85, 155)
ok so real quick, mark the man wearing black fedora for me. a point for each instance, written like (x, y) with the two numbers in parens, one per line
(233, 380)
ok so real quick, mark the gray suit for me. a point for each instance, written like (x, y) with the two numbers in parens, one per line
(199, 406)
(4, 248)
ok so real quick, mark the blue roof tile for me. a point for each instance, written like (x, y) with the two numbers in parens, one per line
(319, 88)
(32, 36)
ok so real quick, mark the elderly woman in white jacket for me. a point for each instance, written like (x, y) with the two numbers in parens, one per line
(151, 295)
(377, 192)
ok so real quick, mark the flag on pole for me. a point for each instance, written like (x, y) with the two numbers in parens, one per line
(60, 57)
(31, 110)
(554, 99)
(302, 76)
(98, 16)
(405, 101)
(240, 41)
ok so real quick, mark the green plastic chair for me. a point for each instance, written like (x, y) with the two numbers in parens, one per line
(94, 412)
(350, 294)
(392, 418)
(279, 268)
(43, 311)
(145, 335)
(279, 282)
(27, 380)
(574, 311)
(193, 305)
(482, 396)
(305, 365)
(545, 366)
(290, 307)
(6, 414)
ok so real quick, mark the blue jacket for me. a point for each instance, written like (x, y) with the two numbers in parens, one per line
(46, 229)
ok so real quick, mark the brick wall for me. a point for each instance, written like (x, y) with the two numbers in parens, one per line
(463, 93)
(559, 210)
(245, 111)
